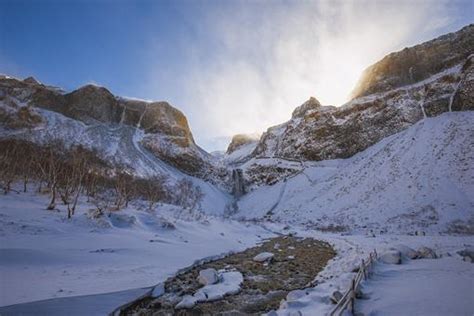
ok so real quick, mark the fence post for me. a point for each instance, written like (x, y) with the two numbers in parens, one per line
(364, 271)
(352, 296)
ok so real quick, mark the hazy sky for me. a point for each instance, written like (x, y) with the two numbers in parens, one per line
(230, 66)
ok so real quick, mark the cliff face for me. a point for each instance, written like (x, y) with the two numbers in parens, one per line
(416, 63)
(403, 88)
(165, 130)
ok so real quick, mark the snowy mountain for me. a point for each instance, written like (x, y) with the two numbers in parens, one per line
(146, 138)
(419, 179)
(398, 91)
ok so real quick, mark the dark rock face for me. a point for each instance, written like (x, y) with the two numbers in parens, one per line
(463, 100)
(417, 63)
(440, 78)
(92, 103)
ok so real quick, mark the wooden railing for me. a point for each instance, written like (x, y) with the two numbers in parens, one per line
(347, 301)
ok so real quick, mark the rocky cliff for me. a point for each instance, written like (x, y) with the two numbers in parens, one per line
(393, 94)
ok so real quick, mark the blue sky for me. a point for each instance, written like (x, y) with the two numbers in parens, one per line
(230, 66)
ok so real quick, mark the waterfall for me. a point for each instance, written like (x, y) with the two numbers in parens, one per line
(238, 183)
(451, 98)
(141, 116)
(122, 117)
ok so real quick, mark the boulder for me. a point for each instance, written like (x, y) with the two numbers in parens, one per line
(295, 295)
(336, 297)
(188, 301)
(391, 257)
(263, 257)
(406, 251)
(427, 253)
(467, 254)
(208, 276)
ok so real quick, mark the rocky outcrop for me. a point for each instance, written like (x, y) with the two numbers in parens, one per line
(403, 88)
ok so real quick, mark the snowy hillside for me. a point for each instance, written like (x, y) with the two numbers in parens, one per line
(419, 179)
(117, 144)
(44, 255)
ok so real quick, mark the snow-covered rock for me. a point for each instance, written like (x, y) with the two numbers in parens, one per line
(406, 251)
(391, 257)
(295, 295)
(427, 253)
(188, 301)
(263, 257)
(229, 284)
(467, 254)
(208, 276)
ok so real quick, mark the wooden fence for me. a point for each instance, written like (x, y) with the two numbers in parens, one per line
(347, 301)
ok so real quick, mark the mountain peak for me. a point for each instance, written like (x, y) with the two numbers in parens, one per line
(311, 104)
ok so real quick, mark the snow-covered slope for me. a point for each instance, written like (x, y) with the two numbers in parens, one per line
(45, 255)
(419, 179)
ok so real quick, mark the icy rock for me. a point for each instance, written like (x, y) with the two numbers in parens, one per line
(391, 257)
(276, 246)
(291, 257)
(263, 257)
(188, 301)
(406, 251)
(426, 253)
(295, 295)
(336, 297)
(158, 290)
(208, 276)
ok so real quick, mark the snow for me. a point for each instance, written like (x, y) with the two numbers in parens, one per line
(43, 255)
(421, 287)
(229, 284)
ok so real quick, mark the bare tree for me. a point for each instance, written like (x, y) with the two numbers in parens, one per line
(153, 189)
(187, 194)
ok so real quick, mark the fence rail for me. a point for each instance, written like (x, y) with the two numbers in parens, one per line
(347, 301)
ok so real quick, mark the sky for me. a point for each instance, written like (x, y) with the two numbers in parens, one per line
(234, 66)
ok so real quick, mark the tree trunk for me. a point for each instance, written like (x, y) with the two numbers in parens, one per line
(52, 204)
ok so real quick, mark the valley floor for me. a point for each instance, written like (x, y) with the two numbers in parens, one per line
(43, 255)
